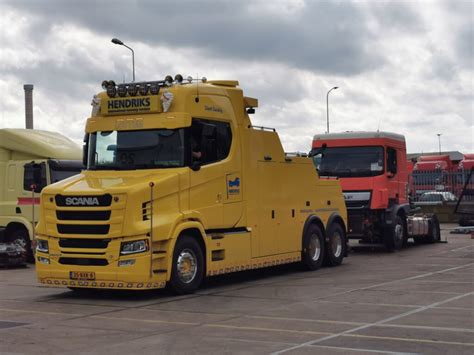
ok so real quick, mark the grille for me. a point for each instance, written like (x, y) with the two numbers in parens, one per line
(83, 201)
(357, 204)
(83, 229)
(83, 215)
(84, 243)
(83, 261)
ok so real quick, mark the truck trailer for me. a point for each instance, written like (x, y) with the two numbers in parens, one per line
(372, 168)
(180, 185)
(29, 161)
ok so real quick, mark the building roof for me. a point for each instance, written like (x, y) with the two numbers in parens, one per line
(43, 144)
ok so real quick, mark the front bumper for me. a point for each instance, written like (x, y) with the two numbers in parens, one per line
(56, 267)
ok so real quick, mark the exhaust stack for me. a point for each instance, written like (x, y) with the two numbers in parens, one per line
(28, 105)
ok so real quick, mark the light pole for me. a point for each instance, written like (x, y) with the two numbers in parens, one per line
(439, 141)
(327, 105)
(120, 43)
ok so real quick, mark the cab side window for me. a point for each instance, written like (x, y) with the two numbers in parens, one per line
(210, 141)
(34, 176)
(391, 160)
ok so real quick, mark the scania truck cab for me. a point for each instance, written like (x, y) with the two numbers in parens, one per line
(180, 185)
(29, 161)
(372, 168)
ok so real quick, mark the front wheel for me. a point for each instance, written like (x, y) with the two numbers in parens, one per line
(395, 234)
(21, 238)
(188, 266)
(335, 245)
(313, 248)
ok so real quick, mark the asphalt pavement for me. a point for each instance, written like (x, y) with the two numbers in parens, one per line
(417, 300)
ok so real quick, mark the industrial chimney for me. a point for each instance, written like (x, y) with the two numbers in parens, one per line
(28, 105)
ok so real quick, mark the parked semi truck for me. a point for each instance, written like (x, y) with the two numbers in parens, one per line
(372, 168)
(29, 161)
(180, 185)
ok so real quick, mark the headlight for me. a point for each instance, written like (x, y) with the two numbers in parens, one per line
(137, 246)
(42, 246)
(43, 260)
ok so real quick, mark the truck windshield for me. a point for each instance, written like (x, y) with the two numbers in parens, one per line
(129, 150)
(350, 161)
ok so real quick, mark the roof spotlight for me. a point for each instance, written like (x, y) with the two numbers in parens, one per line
(178, 78)
(154, 88)
(204, 79)
(169, 79)
(189, 79)
(132, 89)
(105, 84)
(122, 90)
(111, 89)
(143, 89)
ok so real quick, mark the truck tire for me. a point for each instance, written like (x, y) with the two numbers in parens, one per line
(313, 251)
(20, 237)
(187, 270)
(335, 245)
(395, 234)
(434, 232)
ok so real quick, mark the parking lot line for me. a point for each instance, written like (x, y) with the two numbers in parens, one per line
(145, 320)
(386, 320)
(40, 312)
(360, 350)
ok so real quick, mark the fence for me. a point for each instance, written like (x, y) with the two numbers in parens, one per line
(441, 185)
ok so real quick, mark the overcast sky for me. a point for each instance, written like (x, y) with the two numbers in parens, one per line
(401, 66)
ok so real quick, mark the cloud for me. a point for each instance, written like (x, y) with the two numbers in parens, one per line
(319, 36)
(400, 66)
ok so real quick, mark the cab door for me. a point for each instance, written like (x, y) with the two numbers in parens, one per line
(393, 174)
(209, 191)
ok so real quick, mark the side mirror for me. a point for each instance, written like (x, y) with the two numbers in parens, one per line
(85, 150)
(34, 177)
(195, 166)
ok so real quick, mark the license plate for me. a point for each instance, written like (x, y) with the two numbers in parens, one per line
(81, 275)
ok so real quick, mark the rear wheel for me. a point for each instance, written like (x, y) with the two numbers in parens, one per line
(434, 232)
(395, 234)
(188, 266)
(313, 248)
(335, 245)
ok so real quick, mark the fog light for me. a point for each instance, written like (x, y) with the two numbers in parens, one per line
(122, 90)
(136, 246)
(126, 262)
(132, 89)
(143, 89)
(42, 246)
(154, 88)
(43, 260)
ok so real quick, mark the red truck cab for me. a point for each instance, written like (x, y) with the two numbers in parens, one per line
(372, 168)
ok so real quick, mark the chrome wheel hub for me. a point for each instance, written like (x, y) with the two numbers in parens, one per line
(336, 244)
(186, 266)
(314, 247)
(398, 232)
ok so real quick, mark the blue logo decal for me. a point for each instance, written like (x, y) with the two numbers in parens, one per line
(235, 183)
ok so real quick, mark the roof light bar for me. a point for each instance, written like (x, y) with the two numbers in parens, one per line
(146, 87)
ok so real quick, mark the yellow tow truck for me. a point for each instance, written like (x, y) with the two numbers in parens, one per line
(180, 185)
